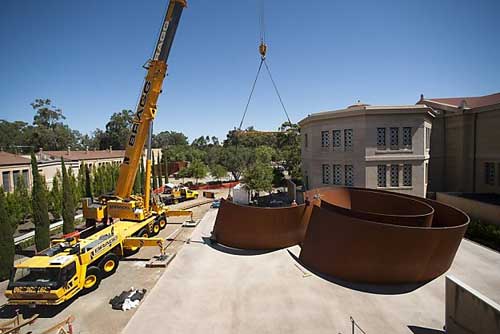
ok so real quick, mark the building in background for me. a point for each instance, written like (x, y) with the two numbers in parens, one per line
(465, 154)
(13, 166)
(382, 147)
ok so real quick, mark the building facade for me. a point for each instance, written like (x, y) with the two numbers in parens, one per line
(12, 167)
(465, 154)
(379, 147)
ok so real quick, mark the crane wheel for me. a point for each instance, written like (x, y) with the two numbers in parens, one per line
(143, 233)
(109, 264)
(156, 228)
(92, 279)
(162, 222)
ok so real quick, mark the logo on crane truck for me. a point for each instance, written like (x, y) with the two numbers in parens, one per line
(140, 111)
(161, 39)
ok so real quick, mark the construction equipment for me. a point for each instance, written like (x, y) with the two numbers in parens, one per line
(179, 194)
(78, 263)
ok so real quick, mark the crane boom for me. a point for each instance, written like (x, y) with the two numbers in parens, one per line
(146, 107)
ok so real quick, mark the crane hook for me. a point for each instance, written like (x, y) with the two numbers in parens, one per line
(262, 50)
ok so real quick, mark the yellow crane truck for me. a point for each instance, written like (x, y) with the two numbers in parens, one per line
(78, 263)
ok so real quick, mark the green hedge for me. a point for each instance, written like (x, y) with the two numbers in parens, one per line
(486, 234)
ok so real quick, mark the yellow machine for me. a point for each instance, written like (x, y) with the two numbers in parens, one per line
(78, 264)
(179, 194)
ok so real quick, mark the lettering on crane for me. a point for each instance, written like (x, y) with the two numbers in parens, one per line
(161, 39)
(138, 115)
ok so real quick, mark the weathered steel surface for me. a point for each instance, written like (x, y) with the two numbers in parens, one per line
(355, 234)
(260, 228)
(341, 244)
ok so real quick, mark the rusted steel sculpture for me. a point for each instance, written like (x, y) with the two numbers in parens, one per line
(355, 234)
(255, 228)
(340, 243)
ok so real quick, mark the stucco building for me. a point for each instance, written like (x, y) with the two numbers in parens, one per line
(465, 153)
(13, 166)
(382, 147)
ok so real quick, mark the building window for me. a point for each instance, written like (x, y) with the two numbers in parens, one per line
(394, 137)
(26, 177)
(16, 177)
(326, 173)
(407, 175)
(381, 176)
(337, 174)
(394, 176)
(348, 134)
(489, 172)
(427, 138)
(325, 140)
(407, 137)
(336, 139)
(6, 181)
(306, 143)
(349, 175)
(381, 137)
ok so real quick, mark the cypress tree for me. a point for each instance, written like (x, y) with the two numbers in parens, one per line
(155, 180)
(55, 197)
(143, 176)
(68, 201)
(6, 239)
(159, 174)
(88, 183)
(40, 208)
(166, 165)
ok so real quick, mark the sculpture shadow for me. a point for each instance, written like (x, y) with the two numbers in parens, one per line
(233, 251)
(424, 330)
(378, 289)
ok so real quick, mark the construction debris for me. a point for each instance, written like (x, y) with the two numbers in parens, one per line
(127, 299)
(160, 261)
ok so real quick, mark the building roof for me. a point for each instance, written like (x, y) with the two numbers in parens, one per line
(366, 109)
(7, 159)
(86, 155)
(467, 102)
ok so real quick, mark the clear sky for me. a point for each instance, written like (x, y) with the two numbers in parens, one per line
(324, 54)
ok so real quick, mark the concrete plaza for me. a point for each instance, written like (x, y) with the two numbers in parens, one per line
(213, 289)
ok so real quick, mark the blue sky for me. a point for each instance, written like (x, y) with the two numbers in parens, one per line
(324, 54)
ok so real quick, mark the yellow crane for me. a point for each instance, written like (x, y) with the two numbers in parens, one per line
(76, 264)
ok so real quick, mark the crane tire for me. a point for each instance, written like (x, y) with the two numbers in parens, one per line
(162, 222)
(93, 278)
(109, 264)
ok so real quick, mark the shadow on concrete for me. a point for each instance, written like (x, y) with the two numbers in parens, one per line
(233, 251)
(424, 330)
(10, 311)
(378, 289)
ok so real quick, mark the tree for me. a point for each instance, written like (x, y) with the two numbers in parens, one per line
(7, 250)
(23, 197)
(198, 169)
(68, 204)
(288, 144)
(259, 177)
(40, 208)
(183, 173)
(236, 159)
(117, 131)
(153, 172)
(88, 183)
(158, 171)
(218, 171)
(55, 197)
(169, 138)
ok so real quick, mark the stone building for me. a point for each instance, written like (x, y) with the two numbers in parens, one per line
(382, 147)
(465, 154)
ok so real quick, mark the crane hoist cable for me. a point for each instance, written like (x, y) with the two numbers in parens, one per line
(263, 53)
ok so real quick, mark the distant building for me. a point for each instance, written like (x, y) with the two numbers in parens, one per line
(382, 147)
(13, 166)
(465, 154)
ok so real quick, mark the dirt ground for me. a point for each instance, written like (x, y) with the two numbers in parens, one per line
(92, 312)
